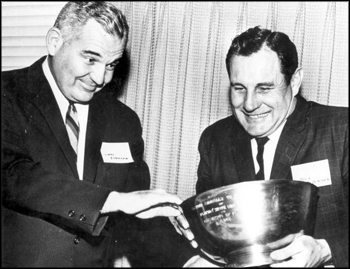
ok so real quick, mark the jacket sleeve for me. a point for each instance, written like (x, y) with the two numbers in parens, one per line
(204, 181)
(339, 245)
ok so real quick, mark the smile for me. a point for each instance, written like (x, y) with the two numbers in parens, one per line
(258, 116)
(89, 88)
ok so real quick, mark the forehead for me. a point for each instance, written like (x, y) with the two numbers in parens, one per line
(94, 36)
(263, 65)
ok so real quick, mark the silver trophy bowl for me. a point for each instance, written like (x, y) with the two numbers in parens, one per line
(236, 224)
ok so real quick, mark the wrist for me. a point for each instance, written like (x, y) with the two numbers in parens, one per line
(111, 204)
(326, 253)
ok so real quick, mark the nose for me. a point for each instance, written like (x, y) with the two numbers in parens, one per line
(251, 101)
(97, 75)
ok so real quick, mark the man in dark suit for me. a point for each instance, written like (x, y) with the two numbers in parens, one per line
(307, 141)
(71, 179)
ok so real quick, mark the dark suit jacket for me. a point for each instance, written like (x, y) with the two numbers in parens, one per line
(49, 216)
(313, 132)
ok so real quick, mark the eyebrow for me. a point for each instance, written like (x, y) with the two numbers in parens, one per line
(236, 84)
(99, 56)
(268, 84)
(91, 52)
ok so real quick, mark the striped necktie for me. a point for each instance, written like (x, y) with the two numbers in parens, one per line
(72, 125)
(259, 157)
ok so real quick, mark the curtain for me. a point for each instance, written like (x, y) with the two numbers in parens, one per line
(178, 83)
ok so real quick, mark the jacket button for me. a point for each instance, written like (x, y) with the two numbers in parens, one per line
(71, 213)
(76, 240)
(82, 217)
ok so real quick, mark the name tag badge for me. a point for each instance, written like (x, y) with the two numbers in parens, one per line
(116, 152)
(317, 173)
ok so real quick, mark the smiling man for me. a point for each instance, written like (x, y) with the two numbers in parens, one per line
(261, 98)
(73, 174)
(303, 139)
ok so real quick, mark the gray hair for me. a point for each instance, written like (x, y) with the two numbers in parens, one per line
(75, 14)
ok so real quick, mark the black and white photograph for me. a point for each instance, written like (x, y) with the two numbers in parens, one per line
(175, 134)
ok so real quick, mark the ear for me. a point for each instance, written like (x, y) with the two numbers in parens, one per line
(296, 80)
(54, 41)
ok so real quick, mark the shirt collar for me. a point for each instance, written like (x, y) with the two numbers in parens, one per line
(60, 98)
(276, 134)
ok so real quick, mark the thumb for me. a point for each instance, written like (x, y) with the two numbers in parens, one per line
(279, 255)
(284, 252)
(159, 211)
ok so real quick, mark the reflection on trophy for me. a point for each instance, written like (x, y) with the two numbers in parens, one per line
(238, 224)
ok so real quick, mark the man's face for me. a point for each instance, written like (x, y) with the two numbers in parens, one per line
(261, 100)
(86, 64)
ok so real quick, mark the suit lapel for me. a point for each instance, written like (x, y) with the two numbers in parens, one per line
(45, 101)
(290, 142)
(242, 154)
(94, 134)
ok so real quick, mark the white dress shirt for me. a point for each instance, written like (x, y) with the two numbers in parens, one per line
(269, 151)
(83, 111)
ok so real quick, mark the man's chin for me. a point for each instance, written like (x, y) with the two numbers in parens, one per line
(256, 133)
(85, 98)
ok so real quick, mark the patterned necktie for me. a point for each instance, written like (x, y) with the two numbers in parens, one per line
(261, 142)
(72, 125)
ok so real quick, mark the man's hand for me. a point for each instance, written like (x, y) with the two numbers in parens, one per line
(143, 204)
(182, 226)
(301, 251)
(148, 204)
